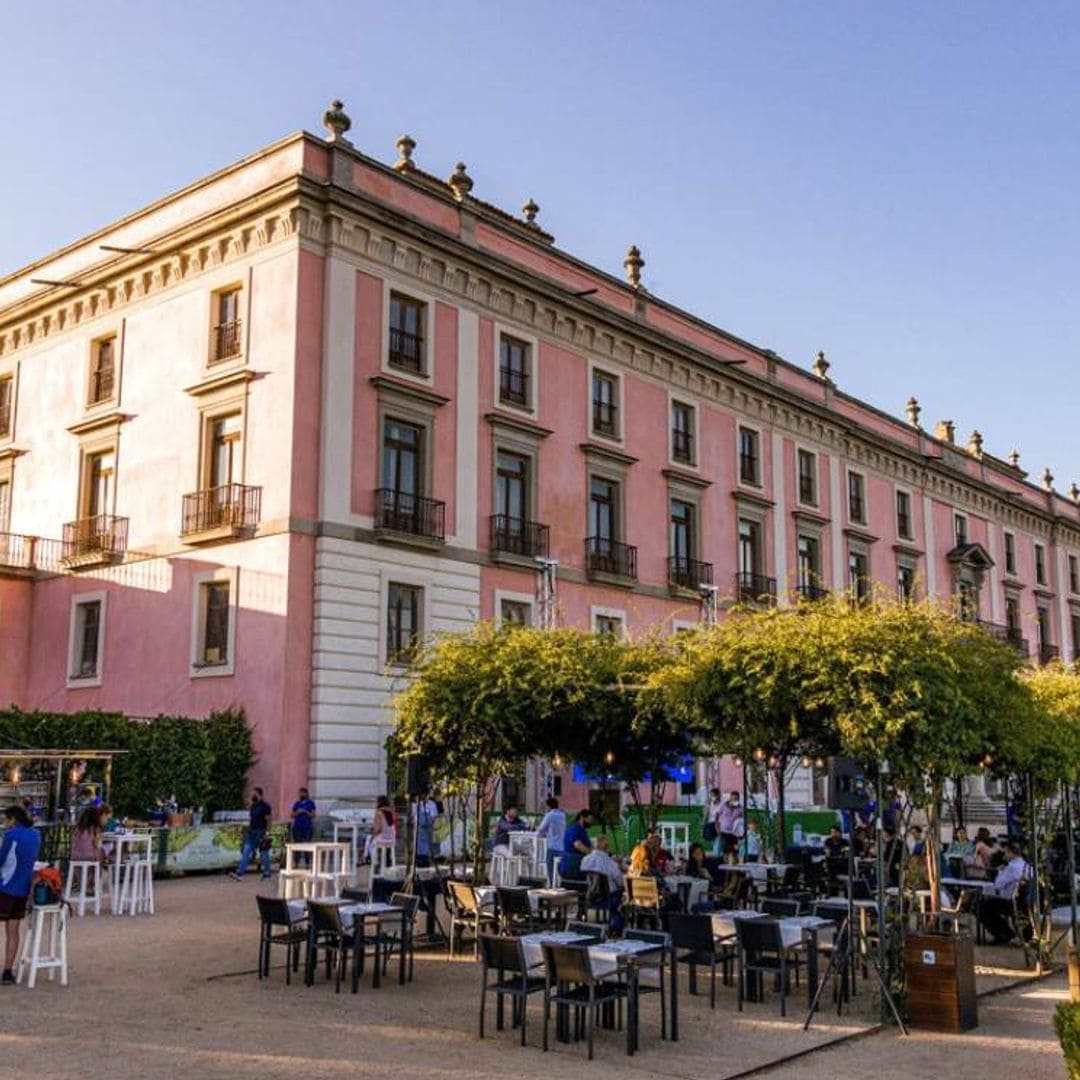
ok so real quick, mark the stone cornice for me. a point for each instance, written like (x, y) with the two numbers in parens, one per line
(594, 450)
(111, 418)
(408, 389)
(690, 479)
(517, 423)
(215, 381)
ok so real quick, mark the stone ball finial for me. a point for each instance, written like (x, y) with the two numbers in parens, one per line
(1048, 480)
(336, 122)
(1014, 458)
(1074, 493)
(913, 410)
(633, 264)
(821, 365)
(405, 147)
(975, 444)
(529, 211)
(461, 182)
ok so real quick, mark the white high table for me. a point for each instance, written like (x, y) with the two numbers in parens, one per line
(125, 847)
(329, 862)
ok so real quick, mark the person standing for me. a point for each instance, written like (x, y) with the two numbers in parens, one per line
(553, 829)
(18, 853)
(576, 845)
(257, 837)
(303, 818)
(710, 826)
(730, 823)
(427, 813)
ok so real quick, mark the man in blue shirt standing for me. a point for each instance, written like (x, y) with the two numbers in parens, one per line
(256, 840)
(18, 853)
(303, 818)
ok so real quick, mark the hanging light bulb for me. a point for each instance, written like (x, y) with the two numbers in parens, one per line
(609, 758)
(819, 763)
(738, 762)
(805, 762)
(15, 774)
(556, 761)
(773, 762)
(759, 754)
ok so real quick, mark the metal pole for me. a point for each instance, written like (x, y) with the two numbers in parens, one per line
(880, 856)
(1036, 904)
(1070, 862)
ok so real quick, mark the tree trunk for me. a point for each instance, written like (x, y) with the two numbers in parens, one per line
(781, 817)
(479, 838)
(933, 844)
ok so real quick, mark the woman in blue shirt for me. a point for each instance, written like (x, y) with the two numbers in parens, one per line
(18, 853)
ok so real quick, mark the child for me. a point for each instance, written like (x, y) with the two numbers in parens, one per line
(751, 846)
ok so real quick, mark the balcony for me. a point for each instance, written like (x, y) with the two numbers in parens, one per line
(811, 592)
(227, 341)
(609, 559)
(17, 555)
(94, 541)
(406, 351)
(755, 588)
(1048, 653)
(516, 536)
(514, 387)
(401, 514)
(219, 513)
(686, 573)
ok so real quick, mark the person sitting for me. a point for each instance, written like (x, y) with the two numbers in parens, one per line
(576, 845)
(599, 861)
(86, 838)
(835, 845)
(643, 864)
(109, 822)
(960, 847)
(997, 904)
(383, 827)
(860, 842)
(507, 824)
(660, 857)
(695, 863)
(916, 845)
(985, 850)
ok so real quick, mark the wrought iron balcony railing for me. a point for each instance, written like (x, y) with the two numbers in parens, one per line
(227, 507)
(402, 512)
(227, 341)
(811, 592)
(95, 538)
(682, 445)
(687, 573)
(102, 383)
(516, 536)
(755, 588)
(514, 387)
(17, 552)
(406, 351)
(1048, 652)
(603, 556)
(605, 417)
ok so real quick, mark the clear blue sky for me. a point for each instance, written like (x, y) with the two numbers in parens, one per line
(895, 183)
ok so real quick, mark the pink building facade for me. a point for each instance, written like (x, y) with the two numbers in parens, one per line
(258, 437)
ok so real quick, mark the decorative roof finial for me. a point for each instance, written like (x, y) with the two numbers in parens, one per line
(821, 365)
(1048, 479)
(530, 210)
(1074, 493)
(461, 182)
(337, 122)
(1014, 458)
(633, 264)
(405, 147)
(975, 444)
(913, 411)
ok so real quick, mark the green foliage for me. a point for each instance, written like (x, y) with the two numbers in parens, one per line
(195, 760)
(1067, 1026)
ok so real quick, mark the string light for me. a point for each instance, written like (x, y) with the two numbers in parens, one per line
(759, 754)
(773, 762)
(609, 758)
(804, 761)
(738, 762)
(819, 763)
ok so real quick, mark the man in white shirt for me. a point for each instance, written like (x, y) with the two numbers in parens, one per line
(730, 823)
(713, 808)
(599, 861)
(997, 904)
(553, 829)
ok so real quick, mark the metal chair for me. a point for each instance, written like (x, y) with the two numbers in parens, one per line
(570, 981)
(761, 949)
(465, 911)
(780, 906)
(663, 941)
(398, 936)
(506, 957)
(598, 895)
(513, 910)
(326, 932)
(695, 943)
(274, 912)
(593, 931)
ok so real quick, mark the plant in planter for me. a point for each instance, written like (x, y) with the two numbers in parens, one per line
(1067, 1025)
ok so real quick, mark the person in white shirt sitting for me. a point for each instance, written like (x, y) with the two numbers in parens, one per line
(997, 904)
(599, 861)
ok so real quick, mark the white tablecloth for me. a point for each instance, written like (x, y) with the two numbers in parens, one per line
(758, 871)
(698, 887)
(347, 910)
(604, 956)
(791, 929)
(485, 895)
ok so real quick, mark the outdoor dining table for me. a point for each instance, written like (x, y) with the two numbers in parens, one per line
(546, 903)
(690, 890)
(607, 958)
(757, 871)
(352, 913)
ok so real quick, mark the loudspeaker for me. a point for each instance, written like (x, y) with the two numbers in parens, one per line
(417, 775)
(687, 787)
(847, 784)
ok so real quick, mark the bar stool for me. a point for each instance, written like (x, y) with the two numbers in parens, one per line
(292, 884)
(382, 859)
(85, 869)
(49, 923)
(136, 887)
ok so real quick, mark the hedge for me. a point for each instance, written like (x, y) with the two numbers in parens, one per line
(202, 762)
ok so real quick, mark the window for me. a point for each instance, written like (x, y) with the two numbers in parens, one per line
(403, 612)
(1074, 574)
(1040, 564)
(856, 490)
(512, 490)
(960, 529)
(605, 404)
(223, 450)
(515, 612)
(903, 515)
(749, 460)
(7, 405)
(406, 344)
(213, 650)
(681, 534)
(682, 433)
(608, 625)
(808, 566)
(1042, 620)
(102, 371)
(87, 625)
(514, 368)
(603, 513)
(99, 476)
(402, 449)
(858, 576)
(749, 550)
(1074, 622)
(905, 582)
(5, 506)
(1012, 617)
(225, 341)
(806, 463)
(967, 593)
(1010, 553)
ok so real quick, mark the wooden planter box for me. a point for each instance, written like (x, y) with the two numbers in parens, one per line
(939, 980)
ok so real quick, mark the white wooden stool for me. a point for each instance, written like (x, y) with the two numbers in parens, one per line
(86, 870)
(48, 923)
(292, 884)
(382, 859)
(136, 888)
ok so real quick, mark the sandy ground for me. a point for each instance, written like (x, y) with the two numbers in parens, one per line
(176, 995)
